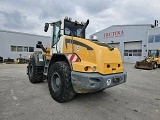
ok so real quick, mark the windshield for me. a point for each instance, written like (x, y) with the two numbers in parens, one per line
(71, 28)
(152, 53)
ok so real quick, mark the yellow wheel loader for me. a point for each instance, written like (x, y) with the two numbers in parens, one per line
(73, 64)
(21, 60)
(150, 62)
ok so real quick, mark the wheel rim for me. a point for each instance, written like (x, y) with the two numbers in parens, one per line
(55, 82)
(155, 65)
(31, 70)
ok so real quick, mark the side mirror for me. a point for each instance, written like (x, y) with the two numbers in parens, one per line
(38, 45)
(46, 27)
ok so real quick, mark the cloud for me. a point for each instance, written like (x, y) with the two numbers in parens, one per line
(93, 6)
(15, 19)
(30, 16)
(56, 9)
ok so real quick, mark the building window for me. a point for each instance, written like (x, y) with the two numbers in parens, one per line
(25, 49)
(130, 54)
(157, 38)
(31, 49)
(19, 49)
(150, 39)
(139, 54)
(13, 48)
(125, 54)
(134, 52)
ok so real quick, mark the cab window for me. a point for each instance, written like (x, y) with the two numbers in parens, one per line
(56, 30)
(73, 29)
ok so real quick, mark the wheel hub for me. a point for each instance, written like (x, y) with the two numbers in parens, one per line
(55, 82)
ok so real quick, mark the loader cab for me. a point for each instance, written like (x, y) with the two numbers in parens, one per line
(154, 53)
(73, 29)
(66, 27)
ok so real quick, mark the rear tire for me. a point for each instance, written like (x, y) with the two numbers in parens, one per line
(59, 82)
(33, 74)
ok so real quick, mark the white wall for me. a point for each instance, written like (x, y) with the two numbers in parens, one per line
(154, 32)
(8, 38)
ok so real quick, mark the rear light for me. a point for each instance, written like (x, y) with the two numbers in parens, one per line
(86, 68)
(73, 58)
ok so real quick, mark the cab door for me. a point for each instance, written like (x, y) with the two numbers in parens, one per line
(55, 42)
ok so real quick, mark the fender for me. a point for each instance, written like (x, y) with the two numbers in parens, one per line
(58, 57)
(39, 59)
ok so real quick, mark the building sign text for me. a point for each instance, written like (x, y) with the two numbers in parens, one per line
(114, 34)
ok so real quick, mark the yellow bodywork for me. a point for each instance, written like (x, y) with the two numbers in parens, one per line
(47, 53)
(105, 60)
(150, 59)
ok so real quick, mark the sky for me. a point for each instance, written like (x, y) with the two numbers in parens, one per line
(29, 16)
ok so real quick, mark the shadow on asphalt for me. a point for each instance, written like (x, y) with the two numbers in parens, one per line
(100, 96)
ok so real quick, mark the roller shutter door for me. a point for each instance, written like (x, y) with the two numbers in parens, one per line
(132, 51)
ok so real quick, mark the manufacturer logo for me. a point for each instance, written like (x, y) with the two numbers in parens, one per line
(78, 47)
(108, 82)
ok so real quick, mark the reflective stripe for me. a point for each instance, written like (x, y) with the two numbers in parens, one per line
(69, 56)
(75, 58)
(72, 58)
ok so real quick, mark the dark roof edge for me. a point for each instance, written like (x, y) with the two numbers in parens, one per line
(24, 33)
(122, 26)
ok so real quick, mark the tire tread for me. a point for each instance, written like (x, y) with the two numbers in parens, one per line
(68, 91)
(37, 77)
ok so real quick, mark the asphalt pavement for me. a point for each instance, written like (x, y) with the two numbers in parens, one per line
(137, 99)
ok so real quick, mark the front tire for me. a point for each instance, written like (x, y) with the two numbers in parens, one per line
(59, 82)
(154, 65)
(34, 76)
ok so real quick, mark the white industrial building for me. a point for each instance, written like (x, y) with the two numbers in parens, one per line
(133, 41)
(12, 44)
